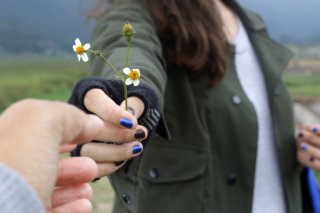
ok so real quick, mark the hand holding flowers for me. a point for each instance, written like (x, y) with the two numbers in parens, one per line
(132, 75)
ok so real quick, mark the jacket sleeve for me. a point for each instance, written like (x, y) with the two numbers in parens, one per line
(146, 50)
(17, 196)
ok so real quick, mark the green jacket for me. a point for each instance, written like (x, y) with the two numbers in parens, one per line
(203, 157)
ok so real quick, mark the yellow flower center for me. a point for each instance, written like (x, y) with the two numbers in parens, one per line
(134, 75)
(80, 50)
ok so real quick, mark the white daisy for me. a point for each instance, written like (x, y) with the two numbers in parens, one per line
(133, 76)
(81, 50)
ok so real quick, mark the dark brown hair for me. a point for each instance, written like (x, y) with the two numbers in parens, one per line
(191, 32)
(192, 35)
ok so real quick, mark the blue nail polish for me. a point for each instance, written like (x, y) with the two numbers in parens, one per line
(304, 147)
(126, 122)
(315, 130)
(136, 149)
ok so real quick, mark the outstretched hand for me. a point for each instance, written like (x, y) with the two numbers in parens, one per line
(31, 134)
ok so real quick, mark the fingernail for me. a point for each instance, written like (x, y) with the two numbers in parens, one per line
(126, 122)
(304, 147)
(136, 149)
(139, 134)
(311, 159)
(300, 135)
(118, 163)
(315, 130)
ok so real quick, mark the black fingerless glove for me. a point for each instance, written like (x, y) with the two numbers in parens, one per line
(114, 89)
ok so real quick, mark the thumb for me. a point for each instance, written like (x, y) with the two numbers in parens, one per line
(135, 106)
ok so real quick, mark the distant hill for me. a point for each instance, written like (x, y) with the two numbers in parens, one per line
(50, 26)
(42, 25)
(289, 21)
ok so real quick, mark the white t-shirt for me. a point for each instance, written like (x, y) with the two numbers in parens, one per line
(268, 195)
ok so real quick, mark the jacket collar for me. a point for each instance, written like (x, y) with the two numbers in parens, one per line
(250, 20)
(272, 56)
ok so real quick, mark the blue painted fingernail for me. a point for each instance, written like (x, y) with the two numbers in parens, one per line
(315, 130)
(304, 147)
(136, 149)
(126, 122)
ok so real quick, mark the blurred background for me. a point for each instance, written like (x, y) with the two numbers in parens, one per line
(36, 58)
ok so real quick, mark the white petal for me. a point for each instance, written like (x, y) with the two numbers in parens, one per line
(85, 57)
(74, 48)
(128, 81)
(79, 57)
(78, 42)
(136, 82)
(86, 46)
(126, 71)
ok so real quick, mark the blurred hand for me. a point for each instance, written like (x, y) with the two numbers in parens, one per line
(120, 126)
(31, 134)
(309, 146)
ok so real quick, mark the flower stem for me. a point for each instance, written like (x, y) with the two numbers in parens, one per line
(125, 91)
(124, 83)
(128, 51)
(100, 55)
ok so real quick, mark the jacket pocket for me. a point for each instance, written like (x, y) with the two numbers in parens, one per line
(171, 178)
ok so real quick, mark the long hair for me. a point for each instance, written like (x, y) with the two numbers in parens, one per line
(192, 35)
(191, 32)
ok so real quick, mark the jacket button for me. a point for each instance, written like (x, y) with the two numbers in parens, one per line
(231, 179)
(126, 199)
(153, 173)
(236, 100)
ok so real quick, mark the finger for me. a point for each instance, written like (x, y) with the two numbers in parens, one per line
(119, 134)
(310, 150)
(99, 103)
(76, 170)
(60, 122)
(105, 169)
(67, 148)
(304, 158)
(63, 195)
(307, 160)
(76, 206)
(87, 128)
(309, 137)
(108, 153)
(315, 128)
(135, 106)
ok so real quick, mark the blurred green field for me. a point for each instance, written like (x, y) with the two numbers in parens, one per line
(54, 78)
(303, 86)
(34, 77)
